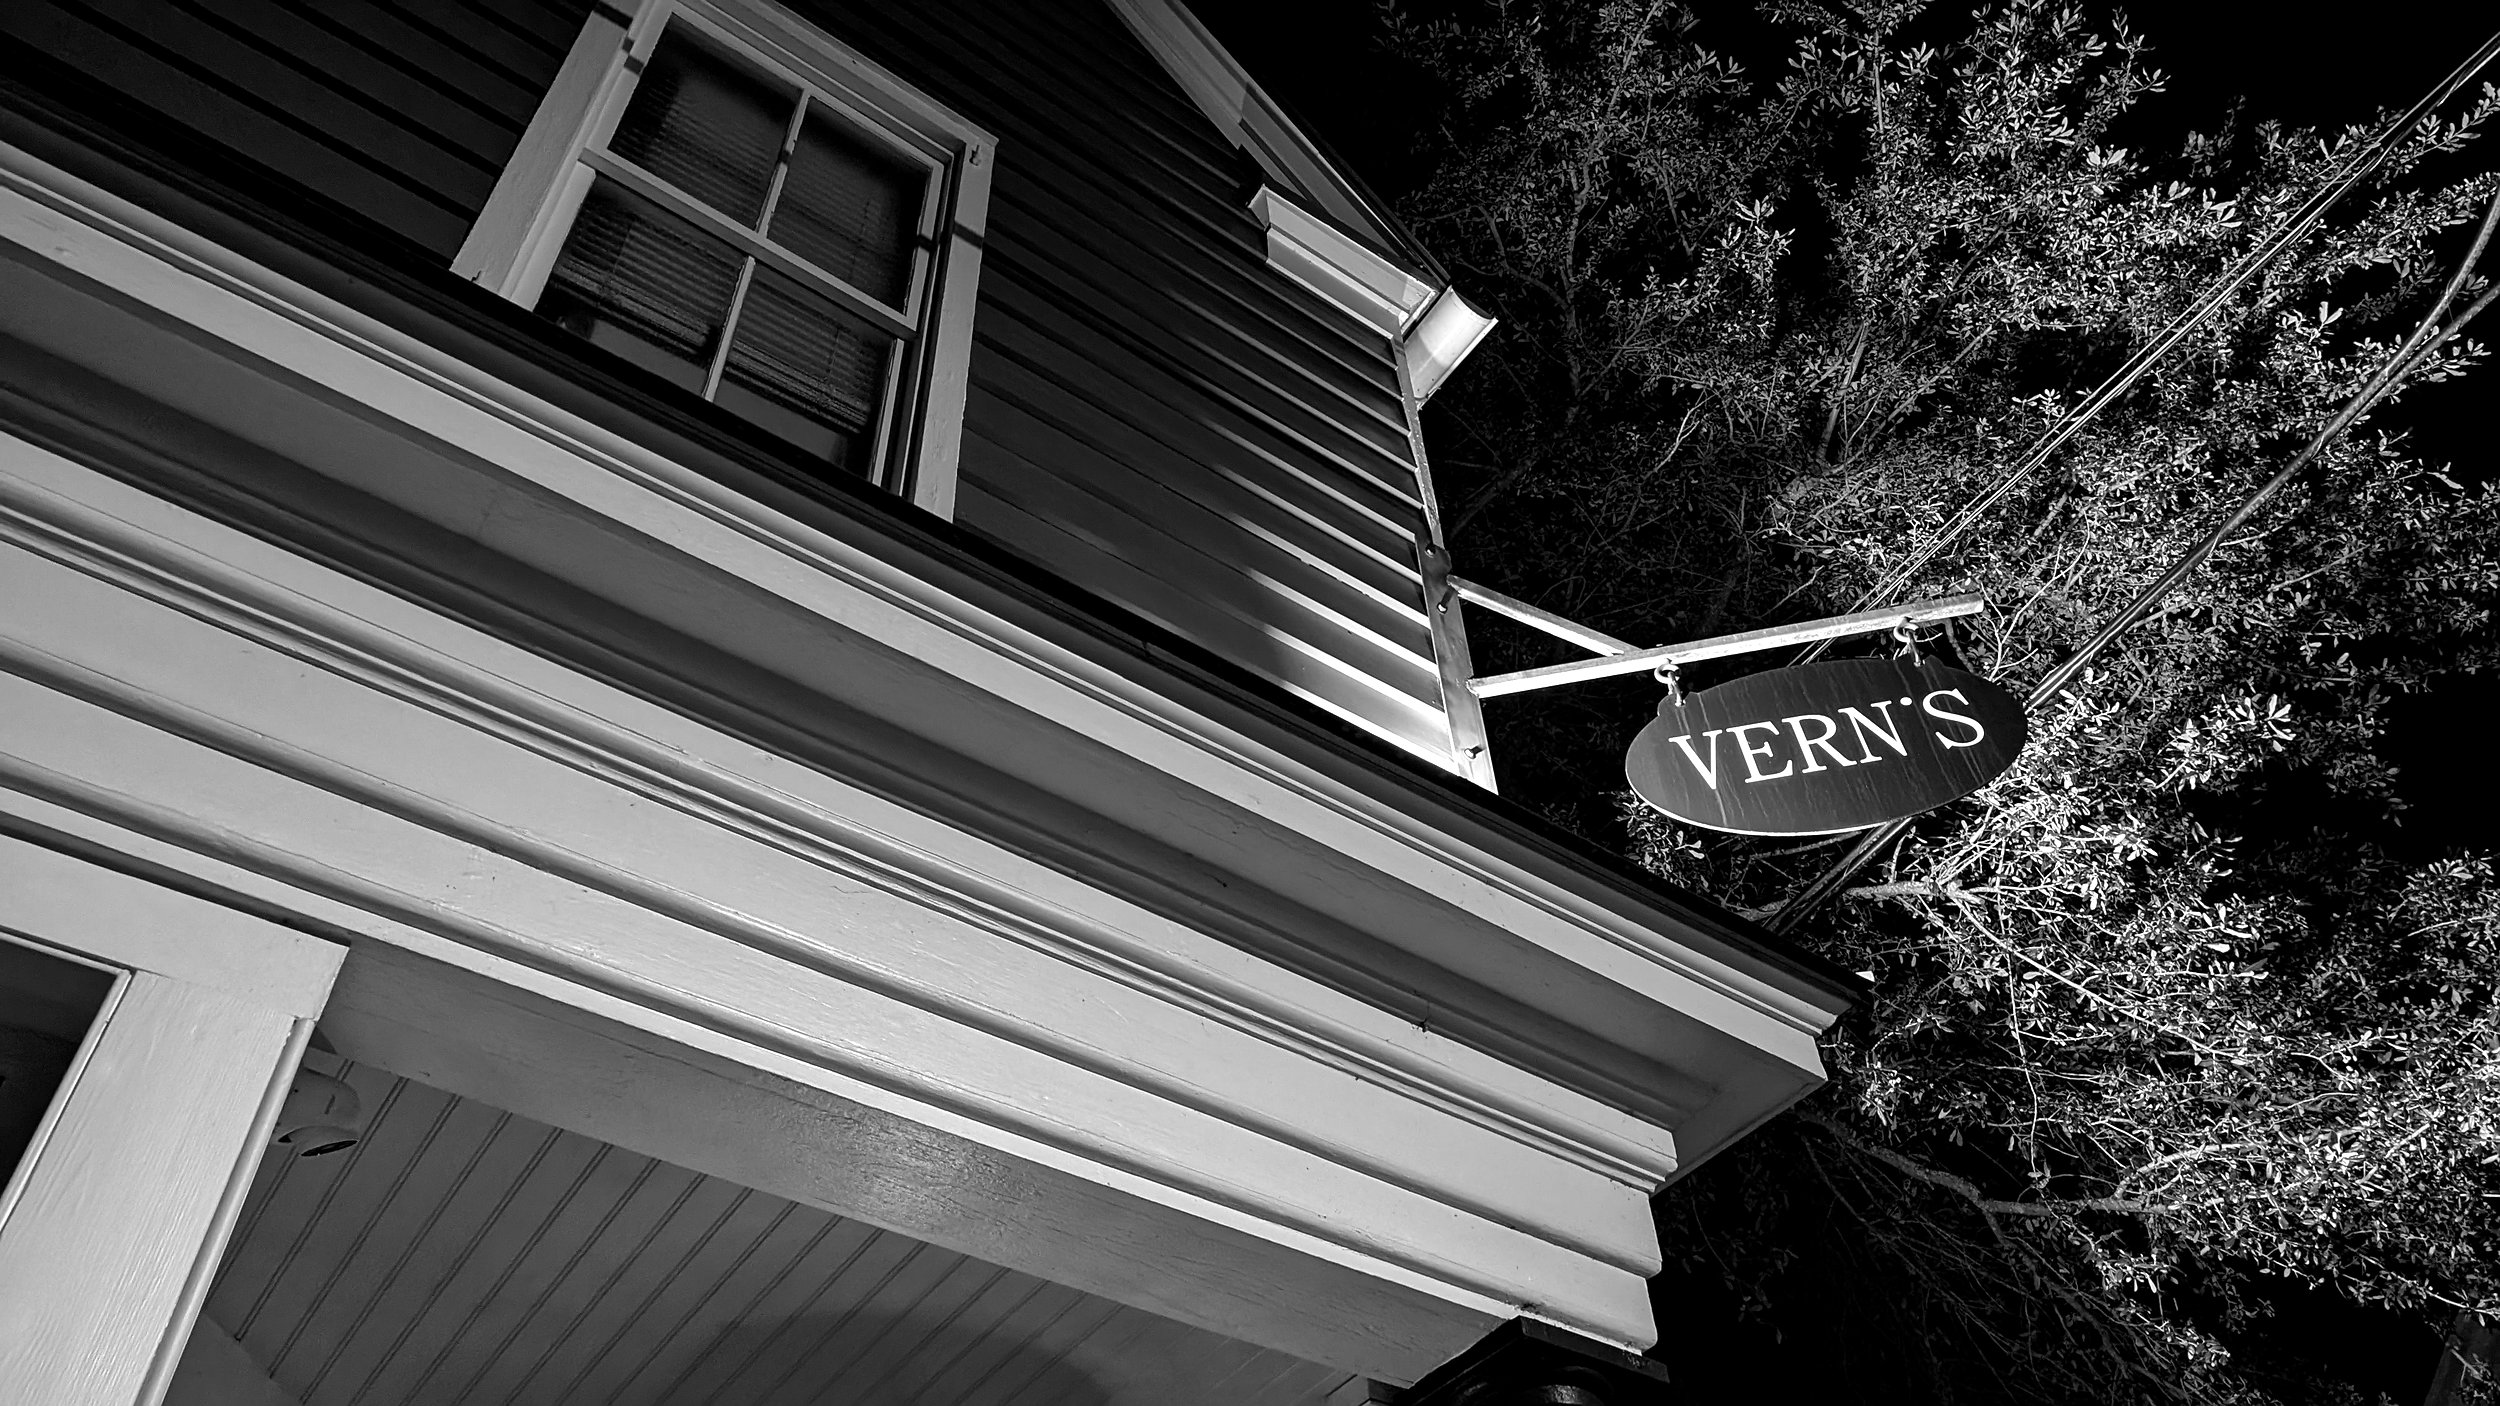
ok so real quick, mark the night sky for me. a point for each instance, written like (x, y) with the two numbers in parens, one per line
(2302, 65)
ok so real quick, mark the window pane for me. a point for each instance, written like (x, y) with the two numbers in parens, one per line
(706, 125)
(850, 209)
(46, 1005)
(806, 371)
(643, 284)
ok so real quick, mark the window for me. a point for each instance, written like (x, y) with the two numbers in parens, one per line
(723, 196)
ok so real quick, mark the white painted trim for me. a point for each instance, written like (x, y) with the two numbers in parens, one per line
(1130, 1049)
(407, 754)
(257, 1139)
(1316, 255)
(1590, 924)
(118, 1219)
(1354, 276)
(1443, 335)
(948, 343)
(1049, 708)
(527, 195)
(422, 999)
(1451, 656)
(126, 922)
(513, 245)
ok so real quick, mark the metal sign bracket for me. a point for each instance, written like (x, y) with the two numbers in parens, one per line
(1616, 657)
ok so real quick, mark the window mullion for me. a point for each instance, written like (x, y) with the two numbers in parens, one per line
(677, 202)
(729, 330)
(763, 226)
(781, 168)
(885, 409)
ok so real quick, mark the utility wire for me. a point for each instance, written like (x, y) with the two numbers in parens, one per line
(2360, 168)
(2425, 339)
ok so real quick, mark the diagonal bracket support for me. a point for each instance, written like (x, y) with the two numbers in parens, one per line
(1617, 658)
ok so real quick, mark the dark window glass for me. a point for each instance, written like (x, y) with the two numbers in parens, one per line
(46, 1005)
(664, 291)
(643, 284)
(804, 369)
(850, 210)
(706, 125)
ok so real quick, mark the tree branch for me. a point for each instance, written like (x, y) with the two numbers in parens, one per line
(1969, 1190)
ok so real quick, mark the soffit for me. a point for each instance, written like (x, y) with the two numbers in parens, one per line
(462, 1254)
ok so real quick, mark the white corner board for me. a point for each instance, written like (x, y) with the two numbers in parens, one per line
(114, 1221)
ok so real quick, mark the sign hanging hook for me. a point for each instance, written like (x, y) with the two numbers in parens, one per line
(1669, 674)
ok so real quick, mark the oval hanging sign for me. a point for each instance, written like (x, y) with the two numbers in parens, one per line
(1826, 747)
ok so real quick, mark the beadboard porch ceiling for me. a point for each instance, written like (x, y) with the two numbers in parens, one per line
(461, 1254)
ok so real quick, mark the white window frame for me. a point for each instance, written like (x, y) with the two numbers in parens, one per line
(513, 246)
(113, 1223)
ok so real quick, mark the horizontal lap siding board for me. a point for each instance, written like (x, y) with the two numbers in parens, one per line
(1356, 549)
(1356, 444)
(1155, 414)
(1208, 303)
(1060, 481)
(403, 111)
(1187, 412)
(1305, 670)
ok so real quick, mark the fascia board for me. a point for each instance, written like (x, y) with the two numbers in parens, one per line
(848, 573)
(259, 705)
(446, 669)
(673, 1084)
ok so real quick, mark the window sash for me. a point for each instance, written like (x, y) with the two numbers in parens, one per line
(515, 243)
(597, 152)
(757, 245)
(866, 306)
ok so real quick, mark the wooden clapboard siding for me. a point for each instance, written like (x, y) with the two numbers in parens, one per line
(1155, 414)
(1360, 551)
(403, 111)
(1216, 437)
(1062, 493)
(463, 1254)
(1336, 684)
(1207, 308)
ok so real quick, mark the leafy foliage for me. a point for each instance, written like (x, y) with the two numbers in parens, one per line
(2173, 1013)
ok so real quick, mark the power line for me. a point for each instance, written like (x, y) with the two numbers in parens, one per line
(2425, 339)
(2369, 162)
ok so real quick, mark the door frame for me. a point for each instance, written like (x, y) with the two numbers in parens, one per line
(113, 1223)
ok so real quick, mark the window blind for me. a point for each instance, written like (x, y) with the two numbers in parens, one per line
(700, 123)
(644, 284)
(849, 211)
(690, 303)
